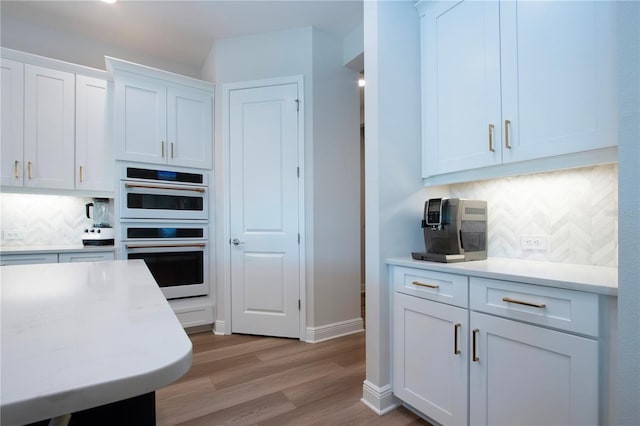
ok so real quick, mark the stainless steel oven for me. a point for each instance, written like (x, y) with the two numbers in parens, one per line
(147, 193)
(176, 253)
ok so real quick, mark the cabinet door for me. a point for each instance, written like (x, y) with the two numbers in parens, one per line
(11, 144)
(94, 158)
(189, 127)
(428, 374)
(49, 127)
(528, 375)
(559, 85)
(140, 120)
(461, 86)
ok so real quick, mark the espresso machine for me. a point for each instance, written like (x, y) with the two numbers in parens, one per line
(455, 230)
(101, 232)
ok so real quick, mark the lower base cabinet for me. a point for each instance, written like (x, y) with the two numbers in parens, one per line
(458, 366)
(430, 357)
(523, 375)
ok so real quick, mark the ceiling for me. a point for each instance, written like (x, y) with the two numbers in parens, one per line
(179, 33)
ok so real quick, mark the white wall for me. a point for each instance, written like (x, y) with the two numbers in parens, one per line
(331, 161)
(68, 47)
(628, 375)
(336, 185)
(394, 192)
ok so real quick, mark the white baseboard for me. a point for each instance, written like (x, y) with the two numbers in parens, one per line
(379, 400)
(219, 328)
(331, 331)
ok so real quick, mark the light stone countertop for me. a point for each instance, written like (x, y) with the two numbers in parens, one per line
(80, 335)
(593, 279)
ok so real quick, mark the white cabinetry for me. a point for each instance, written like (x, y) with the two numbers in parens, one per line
(49, 111)
(162, 122)
(517, 354)
(57, 257)
(94, 158)
(69, 257)
(523, 374)
(12, 142)
(28, 259)
(430, 357)
(54, 132)
(498, 90)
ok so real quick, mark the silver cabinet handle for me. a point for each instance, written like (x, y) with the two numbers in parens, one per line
(507, 123)
(236, 242)
(491, 148)
(474, 335)
(169, 188)
(456, 350)
(419, 284)
(521, 302)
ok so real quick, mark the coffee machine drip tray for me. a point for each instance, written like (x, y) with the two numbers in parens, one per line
(437, 257)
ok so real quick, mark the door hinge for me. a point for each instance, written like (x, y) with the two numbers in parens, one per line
(299, 305)
(298, 238)
(297, 105)
(298, 171)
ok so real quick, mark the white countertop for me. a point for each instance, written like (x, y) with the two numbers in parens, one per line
(53, 249)
(80, 335)
(594, 279)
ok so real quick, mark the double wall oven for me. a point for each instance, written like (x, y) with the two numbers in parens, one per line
(164, 220)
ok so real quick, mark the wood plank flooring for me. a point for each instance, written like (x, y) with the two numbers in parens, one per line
(253, 380)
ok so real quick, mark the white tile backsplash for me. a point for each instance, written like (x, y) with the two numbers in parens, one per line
(43, 219)
(576, 210)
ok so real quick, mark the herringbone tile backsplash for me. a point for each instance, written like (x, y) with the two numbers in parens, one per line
(576, 210)
(43, 219)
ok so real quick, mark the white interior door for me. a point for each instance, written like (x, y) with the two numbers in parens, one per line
(264, 198)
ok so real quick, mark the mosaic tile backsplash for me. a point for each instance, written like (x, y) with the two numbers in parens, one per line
(43, 219)
(575, 210)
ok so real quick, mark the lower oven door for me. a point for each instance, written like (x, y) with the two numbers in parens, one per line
(180, 269)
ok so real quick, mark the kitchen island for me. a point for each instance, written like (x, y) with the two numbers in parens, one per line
(81, 335)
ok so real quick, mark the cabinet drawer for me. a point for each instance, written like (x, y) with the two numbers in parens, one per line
(569, 310)
(28, 259)
(437, 286)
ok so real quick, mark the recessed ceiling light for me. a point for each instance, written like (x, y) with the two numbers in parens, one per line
(109, 1)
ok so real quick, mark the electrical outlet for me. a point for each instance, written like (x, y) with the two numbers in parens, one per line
(13, 234)
(533, 242)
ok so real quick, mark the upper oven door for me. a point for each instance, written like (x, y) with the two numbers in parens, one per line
(140, 200)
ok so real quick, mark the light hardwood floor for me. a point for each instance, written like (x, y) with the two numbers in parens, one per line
(251, 380)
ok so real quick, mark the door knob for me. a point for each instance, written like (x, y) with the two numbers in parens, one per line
(236, 242)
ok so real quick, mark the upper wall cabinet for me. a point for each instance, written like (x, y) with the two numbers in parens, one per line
(94, 153)
(161, 118)
(12, 128)
(53, 125)
(516, 87)
(37, 126)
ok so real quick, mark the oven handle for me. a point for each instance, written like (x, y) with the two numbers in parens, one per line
(133, 185)
(145, 246)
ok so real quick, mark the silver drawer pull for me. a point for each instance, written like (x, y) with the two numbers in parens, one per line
(520, 302)
(425, 285)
